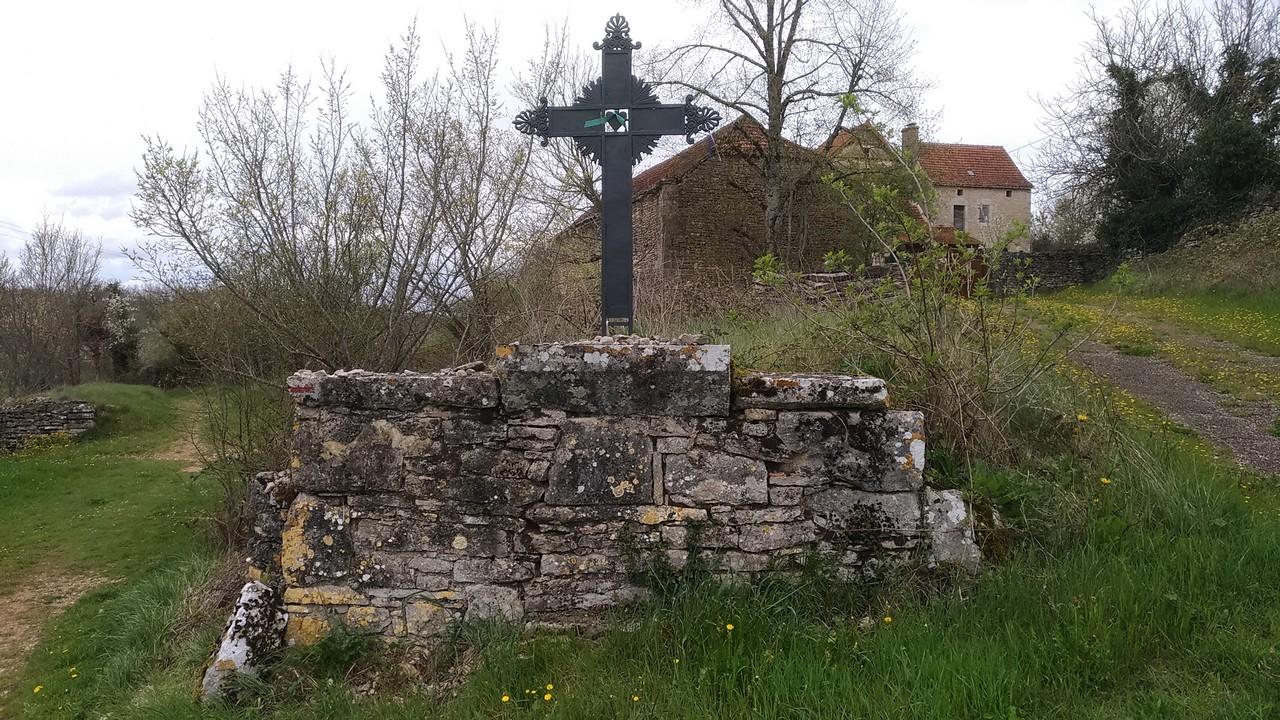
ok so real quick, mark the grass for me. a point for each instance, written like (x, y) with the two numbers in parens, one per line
(100, 507)
(1154, 595)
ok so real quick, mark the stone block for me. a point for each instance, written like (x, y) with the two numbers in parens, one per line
(324, 595)
(612, 377)
(372, 460)
(466, 387)
(708, 477)
(774, 536)
(843, 512)
(367, 619)
(487, 570)
(601, 462)
(427, 619)
(568, 594)
(581, 564)
(316, 543)
(794, 391)
(493, 602)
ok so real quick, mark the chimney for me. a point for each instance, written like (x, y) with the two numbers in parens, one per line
(911, 139)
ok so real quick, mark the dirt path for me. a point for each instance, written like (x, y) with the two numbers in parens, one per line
(1242, 427)
(26, 610)
(183, 447)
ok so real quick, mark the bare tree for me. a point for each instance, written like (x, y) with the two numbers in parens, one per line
(799, 67)
(340, 245)
(46, 306)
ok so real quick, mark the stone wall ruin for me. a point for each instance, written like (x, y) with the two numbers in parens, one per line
(23, 422)
(527, 490)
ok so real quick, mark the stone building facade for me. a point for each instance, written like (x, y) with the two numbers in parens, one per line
(699, 216)
(538, 487)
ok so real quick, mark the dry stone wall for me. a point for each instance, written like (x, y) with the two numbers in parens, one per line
(27, 421)
(533, 487)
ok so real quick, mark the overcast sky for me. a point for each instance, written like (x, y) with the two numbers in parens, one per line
(82, 81)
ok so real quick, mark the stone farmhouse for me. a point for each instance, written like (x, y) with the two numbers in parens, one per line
(699, 217)
(980, 189)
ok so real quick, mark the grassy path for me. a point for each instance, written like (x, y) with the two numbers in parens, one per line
(89, 516)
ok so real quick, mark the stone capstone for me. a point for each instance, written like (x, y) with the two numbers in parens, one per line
(253, 634)
(808, 391)
(616, 376)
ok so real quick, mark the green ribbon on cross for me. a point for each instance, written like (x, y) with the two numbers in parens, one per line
(614, 118)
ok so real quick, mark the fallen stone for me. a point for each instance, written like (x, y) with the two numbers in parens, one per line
(253, 634)
(951, 533)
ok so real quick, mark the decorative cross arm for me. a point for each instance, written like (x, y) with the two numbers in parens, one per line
(616, 120)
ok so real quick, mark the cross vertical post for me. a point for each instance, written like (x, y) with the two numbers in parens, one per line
(616, 120)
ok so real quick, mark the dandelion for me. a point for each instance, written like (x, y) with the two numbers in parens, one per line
(547, 697)
(37, 689)
(550, 686)
(635, 698)
(506, 697)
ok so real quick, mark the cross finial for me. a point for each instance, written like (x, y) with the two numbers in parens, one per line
(617, 35)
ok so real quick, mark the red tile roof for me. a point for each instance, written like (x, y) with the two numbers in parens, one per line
(972, 166)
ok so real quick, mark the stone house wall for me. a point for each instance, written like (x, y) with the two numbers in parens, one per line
(534, 488)
(1004, 211)
(713, 222)
(22, 422)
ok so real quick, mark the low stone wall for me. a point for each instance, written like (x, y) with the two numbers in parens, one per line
(27, 421)
(532, 488)
(1055, 269)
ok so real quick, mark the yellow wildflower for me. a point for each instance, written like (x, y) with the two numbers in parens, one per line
(550, 686)
(547, 697)
(635, 698)
(1105, 481)
(37, 689)
(729, 627)
(888, 619)
(1082, 417)
(506, 697)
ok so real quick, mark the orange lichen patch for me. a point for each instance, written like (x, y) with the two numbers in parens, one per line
(324, 595)
(305, 630)
(504, 351)
(366, 618)
(294, 550)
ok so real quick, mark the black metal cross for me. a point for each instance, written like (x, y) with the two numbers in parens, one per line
(616, 120)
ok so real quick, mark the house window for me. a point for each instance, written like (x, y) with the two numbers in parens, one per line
(1008, 193)
(960, 192)
(957, 217)
(984, 214)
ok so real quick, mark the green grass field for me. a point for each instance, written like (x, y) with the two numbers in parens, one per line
(98, 508)
(1154, 595)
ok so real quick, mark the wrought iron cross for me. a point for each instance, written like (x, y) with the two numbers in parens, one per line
(616, 120)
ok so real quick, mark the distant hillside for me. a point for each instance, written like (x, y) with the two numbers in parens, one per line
(1241, 257)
